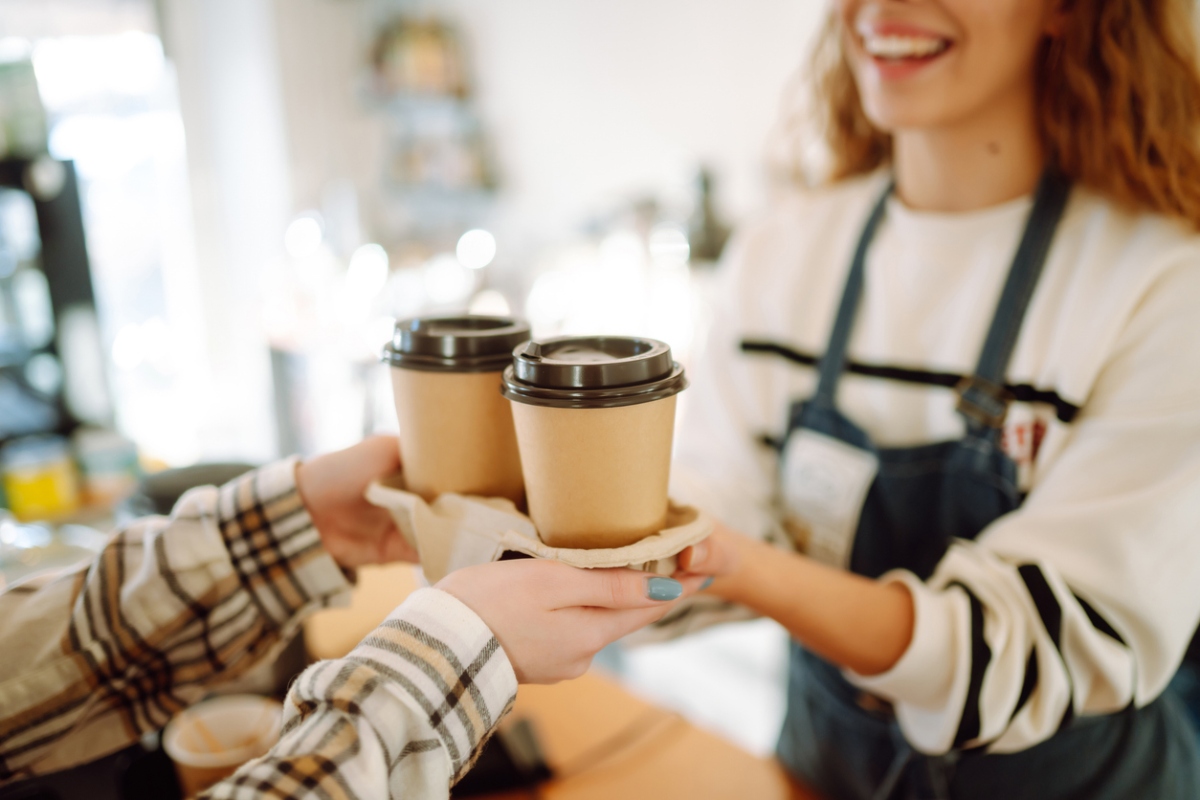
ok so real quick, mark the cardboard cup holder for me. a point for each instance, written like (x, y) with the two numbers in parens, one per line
(456, 531)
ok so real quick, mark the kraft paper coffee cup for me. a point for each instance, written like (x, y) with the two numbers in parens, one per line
(594, 418)
(210, 740)
(456, 429)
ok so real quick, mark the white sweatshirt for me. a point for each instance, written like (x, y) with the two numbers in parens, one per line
(1096, 578)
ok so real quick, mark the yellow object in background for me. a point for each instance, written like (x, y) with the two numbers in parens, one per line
(40, 480)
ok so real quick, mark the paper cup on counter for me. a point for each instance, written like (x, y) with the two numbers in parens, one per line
(210, 740)
(594, 418)
(456, 429)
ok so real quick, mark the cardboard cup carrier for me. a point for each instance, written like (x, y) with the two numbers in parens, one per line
(456, 429)
(594, 418)
(210, 740)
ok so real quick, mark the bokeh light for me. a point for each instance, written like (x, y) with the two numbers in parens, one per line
(304, 235)
(368, 271)
(476, 249)
(446, 280)
(668, 245)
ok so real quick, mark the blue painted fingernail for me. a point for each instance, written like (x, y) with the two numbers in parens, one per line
(707, 583)
(663, 588)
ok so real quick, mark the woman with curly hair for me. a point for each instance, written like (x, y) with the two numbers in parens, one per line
(961, 380)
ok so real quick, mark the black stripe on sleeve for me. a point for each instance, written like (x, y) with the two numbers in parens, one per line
(981, 656)
(1098, 622)
(1043, 597)
(1050, 611)
(1021, 392)
(1029, 684)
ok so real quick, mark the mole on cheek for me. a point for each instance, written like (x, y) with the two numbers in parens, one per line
(993, 148)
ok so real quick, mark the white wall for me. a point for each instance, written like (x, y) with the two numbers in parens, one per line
(592, 102)
(587, 102)
(36, 19)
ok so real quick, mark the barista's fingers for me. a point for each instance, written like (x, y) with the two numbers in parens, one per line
(619, 588)
(716, 555)
(692, 583)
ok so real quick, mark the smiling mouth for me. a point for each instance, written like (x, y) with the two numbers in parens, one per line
(901, 48)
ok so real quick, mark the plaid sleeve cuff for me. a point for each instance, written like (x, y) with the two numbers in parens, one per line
(275, 549)
(451, 664)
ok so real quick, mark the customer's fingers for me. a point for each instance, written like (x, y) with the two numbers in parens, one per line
(610, 625)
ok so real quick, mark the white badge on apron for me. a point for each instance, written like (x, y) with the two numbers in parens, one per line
(825, 483)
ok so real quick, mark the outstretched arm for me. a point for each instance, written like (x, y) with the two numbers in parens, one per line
(861, 624)
(95, 657)
(404, 715)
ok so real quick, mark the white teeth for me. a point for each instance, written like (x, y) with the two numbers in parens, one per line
(903, 46)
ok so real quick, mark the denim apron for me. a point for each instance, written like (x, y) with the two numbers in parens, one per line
(847, 744)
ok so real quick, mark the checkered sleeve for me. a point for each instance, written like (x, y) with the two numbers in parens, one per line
(402, 716)
(95, 657)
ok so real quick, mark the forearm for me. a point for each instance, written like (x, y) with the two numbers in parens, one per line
(94, 658)
(402, 716)
(855, 622)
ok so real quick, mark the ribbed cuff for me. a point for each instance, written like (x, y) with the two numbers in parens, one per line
(273, 544)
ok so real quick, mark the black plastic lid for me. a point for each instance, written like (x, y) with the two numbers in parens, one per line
(592, 372)
(455, 344)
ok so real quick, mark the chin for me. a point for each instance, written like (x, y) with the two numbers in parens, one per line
(896, 114)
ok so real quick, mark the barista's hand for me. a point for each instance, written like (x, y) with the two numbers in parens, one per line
(551, 619)
(332, 488)
(718, 557)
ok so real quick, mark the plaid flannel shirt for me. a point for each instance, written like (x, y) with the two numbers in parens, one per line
(92, 659)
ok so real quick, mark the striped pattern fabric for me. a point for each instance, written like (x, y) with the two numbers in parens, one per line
(96, 657)
(404, 715)
(92, 659)
(1037, 655)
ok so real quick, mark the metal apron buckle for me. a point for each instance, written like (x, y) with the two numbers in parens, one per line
(983, 401)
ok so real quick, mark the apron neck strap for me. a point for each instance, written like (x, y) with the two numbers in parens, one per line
(983, 399)
(833, 362)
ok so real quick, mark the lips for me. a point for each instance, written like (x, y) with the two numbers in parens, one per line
(900, 50)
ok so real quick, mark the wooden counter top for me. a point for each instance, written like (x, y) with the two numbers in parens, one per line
(609, 744)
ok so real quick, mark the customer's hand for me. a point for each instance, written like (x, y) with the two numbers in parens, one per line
(551, 619)
(332, 488)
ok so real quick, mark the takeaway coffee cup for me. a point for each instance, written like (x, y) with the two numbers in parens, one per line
(210, 740)
(594, 417)
(456, 430)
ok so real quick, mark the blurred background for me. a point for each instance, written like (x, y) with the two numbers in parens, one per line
(212, 212)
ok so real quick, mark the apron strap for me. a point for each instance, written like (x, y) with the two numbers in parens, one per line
(982, 398)
(834, 361)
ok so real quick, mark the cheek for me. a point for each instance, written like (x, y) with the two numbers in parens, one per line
(1004, 33)
(1003, 54)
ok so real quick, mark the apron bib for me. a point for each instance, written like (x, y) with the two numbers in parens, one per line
(871, 509)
